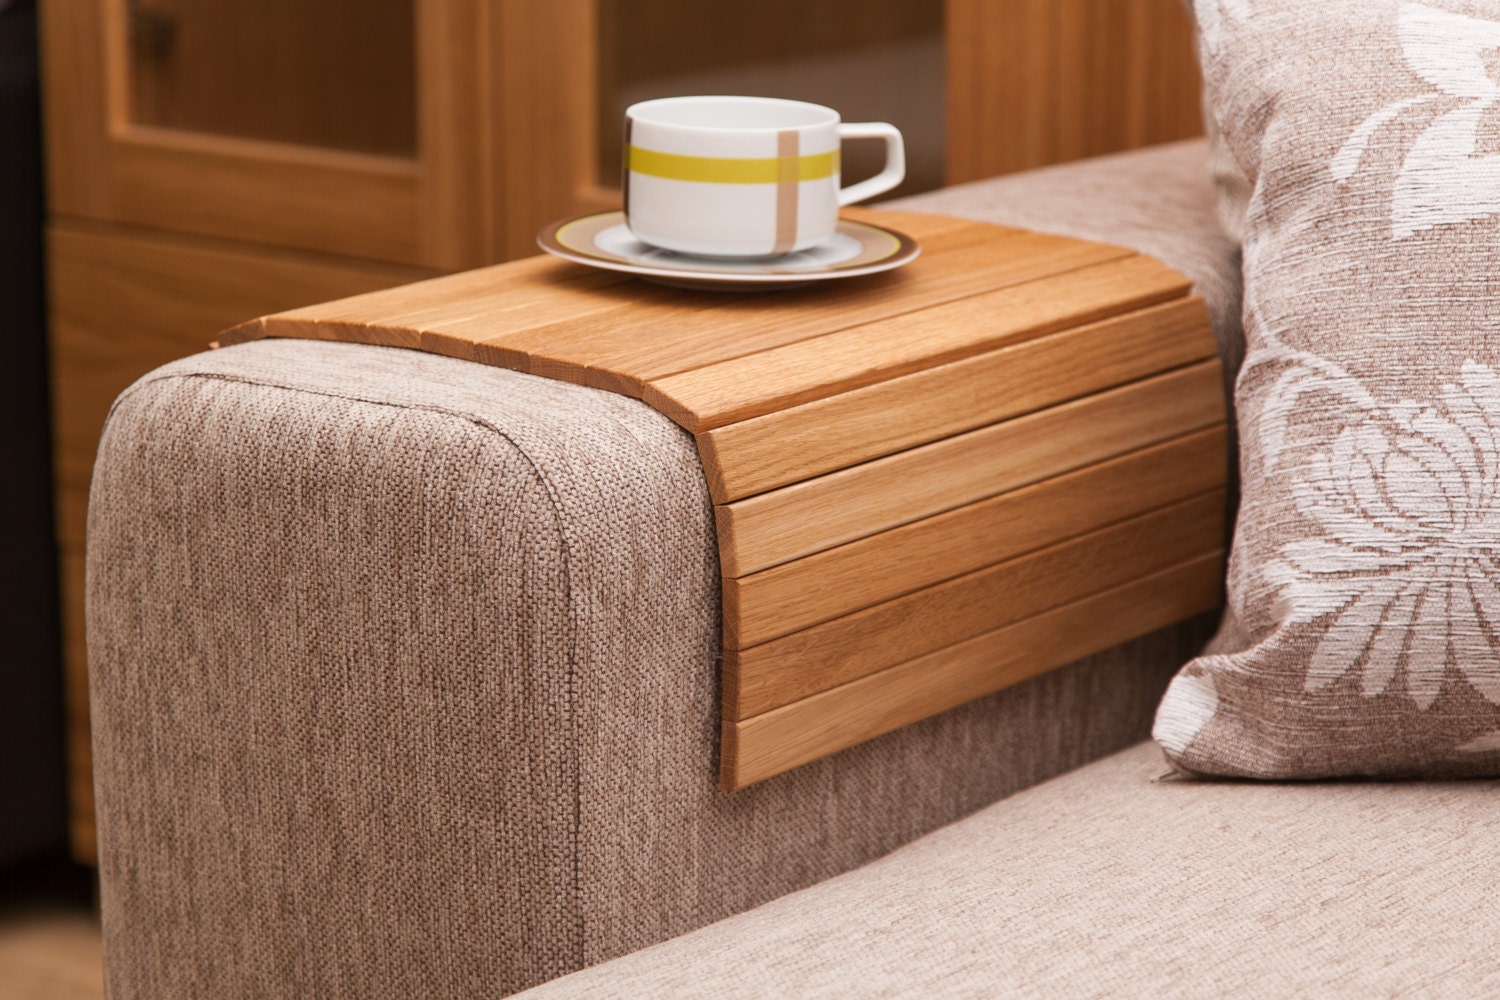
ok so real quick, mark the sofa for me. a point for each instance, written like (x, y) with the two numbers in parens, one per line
(404, 681)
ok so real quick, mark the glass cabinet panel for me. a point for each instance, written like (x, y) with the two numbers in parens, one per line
(871, 60)
(336, 74)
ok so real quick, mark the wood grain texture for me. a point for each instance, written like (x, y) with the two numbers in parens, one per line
(773, 742)
(807, 517)
(624, 361)
(122, 303)
(836, 431)
(569, 323)
(658, 315)
(793, 596)
(541, 84)
(71, 37)
(1035, 303)
(497, 315)
(459, 220)
(340, 203)
(837, 652)
(1033, 82)
(651, 332)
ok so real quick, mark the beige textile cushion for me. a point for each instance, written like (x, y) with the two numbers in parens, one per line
(1362, 633)
(1106, 884)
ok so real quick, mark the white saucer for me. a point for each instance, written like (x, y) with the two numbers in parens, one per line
(602, 240)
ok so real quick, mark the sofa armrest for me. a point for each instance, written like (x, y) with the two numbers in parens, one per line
(405, 682)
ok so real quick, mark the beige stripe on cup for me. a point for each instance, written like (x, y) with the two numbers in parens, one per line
(788, 149)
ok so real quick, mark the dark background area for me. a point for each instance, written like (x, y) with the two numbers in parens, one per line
(32, 800)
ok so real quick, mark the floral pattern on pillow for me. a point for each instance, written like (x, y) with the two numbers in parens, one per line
(1362, 633)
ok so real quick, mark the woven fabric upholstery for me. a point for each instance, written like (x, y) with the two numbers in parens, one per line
(405, 684)
(1103, 883)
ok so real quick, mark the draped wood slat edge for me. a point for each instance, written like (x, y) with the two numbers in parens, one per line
(780, 601)
(801, 442)
(817, 514)
(767, 677)
(768, 744)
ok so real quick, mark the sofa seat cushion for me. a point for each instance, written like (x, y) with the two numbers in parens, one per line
(1107, 882)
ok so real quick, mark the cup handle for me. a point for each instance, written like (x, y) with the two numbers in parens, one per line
(895, 160)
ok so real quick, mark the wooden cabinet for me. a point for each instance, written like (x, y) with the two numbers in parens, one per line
(368, 128)
(213, 160)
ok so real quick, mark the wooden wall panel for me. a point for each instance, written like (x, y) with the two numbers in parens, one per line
(539, 134)
(1034, 82)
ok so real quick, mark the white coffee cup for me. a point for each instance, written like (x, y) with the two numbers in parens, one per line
(742, 176)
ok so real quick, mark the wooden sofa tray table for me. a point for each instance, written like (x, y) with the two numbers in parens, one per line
(929, 484)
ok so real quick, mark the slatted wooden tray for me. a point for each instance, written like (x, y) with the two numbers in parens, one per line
(929, 484)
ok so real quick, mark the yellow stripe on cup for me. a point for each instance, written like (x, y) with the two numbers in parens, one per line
(727, 170)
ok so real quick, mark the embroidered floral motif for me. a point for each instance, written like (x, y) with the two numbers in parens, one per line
(1407, 502)
(1443, 180)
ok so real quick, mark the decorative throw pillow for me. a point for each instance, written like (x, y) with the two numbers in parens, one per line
(1362, 634)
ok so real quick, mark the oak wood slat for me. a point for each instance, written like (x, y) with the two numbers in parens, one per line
(795, 521)
(768, 744)
(718, 328)
(838, 362)
(781, 600)
(502, 315)
(650, 312)
(825, 656)
(626, 362)
(799, 442)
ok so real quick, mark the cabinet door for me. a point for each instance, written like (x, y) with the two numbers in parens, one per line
(379, 129)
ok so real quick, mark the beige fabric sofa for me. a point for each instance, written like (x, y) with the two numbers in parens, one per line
(405, 684)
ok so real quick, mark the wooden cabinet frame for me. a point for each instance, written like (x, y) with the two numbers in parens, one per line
(488, 73)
